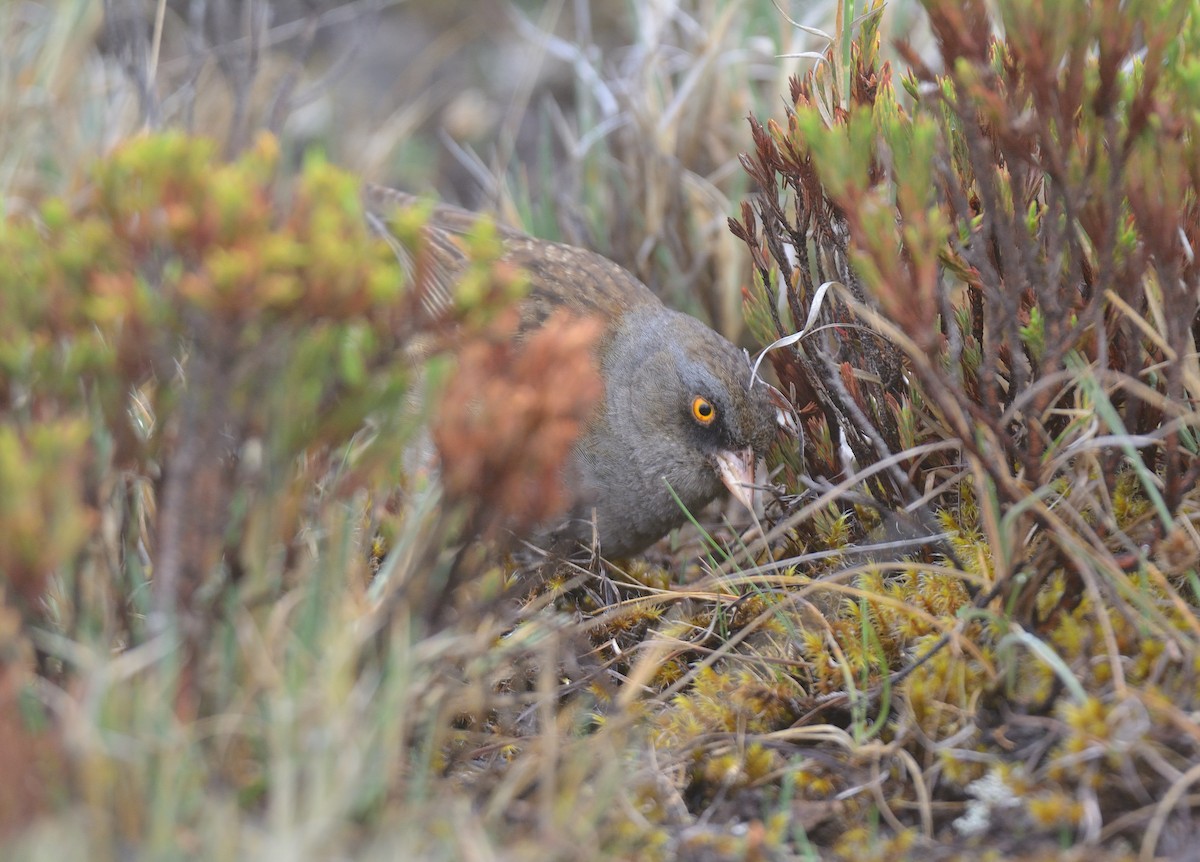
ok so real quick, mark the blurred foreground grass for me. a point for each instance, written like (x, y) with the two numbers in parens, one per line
(241, 619)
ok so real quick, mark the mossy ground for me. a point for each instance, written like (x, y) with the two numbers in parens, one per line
(242, 618)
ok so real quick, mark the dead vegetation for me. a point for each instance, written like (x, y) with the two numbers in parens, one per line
(242, 618)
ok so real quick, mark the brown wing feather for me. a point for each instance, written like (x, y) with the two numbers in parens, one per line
(561, 276)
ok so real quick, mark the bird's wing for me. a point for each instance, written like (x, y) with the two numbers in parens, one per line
(560, 276)
(445, 256)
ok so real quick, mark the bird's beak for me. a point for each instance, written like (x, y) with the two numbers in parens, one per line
(736, 470)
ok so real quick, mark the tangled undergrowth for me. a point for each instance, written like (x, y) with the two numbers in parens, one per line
(242, 617)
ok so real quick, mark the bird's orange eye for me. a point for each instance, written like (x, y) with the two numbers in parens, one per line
(703, 410)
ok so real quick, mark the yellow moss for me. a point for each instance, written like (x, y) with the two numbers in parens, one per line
(726, 700)
(960, 770)
(941, 692)
(723, 771)
(668, 673)
(1129, 504)
(1070, 636)
(812, 643)
(813, 783)
(938, 593)
(833, 526)
(1032, 681)
(1088, 718)
(1051, 594)
(863, 845)
(760, 761)
(649, 575)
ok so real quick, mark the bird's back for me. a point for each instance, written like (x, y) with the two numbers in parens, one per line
(560, 276)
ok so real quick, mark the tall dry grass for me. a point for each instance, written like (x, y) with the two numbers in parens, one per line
(240, 619)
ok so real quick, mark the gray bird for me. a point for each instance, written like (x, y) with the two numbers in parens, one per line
(679, 407)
